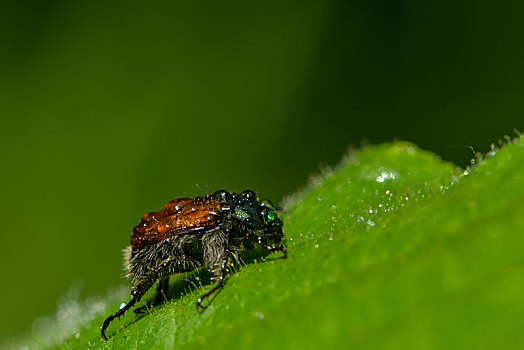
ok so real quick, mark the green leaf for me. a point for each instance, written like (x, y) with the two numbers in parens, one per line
(394, 248)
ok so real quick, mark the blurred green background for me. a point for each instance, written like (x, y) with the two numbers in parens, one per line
(110, 109)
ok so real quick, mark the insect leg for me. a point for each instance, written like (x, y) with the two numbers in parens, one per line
(220, 284)
(136, 294)
(161, 296)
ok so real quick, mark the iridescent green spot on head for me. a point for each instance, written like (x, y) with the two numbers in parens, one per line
(270, 215)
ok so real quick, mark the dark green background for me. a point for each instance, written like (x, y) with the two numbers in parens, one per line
(110, 109)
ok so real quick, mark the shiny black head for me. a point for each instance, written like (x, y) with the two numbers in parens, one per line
(253, 217)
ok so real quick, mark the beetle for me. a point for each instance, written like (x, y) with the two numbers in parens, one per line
(189, 233)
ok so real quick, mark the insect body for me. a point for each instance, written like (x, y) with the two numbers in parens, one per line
(192, 232)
